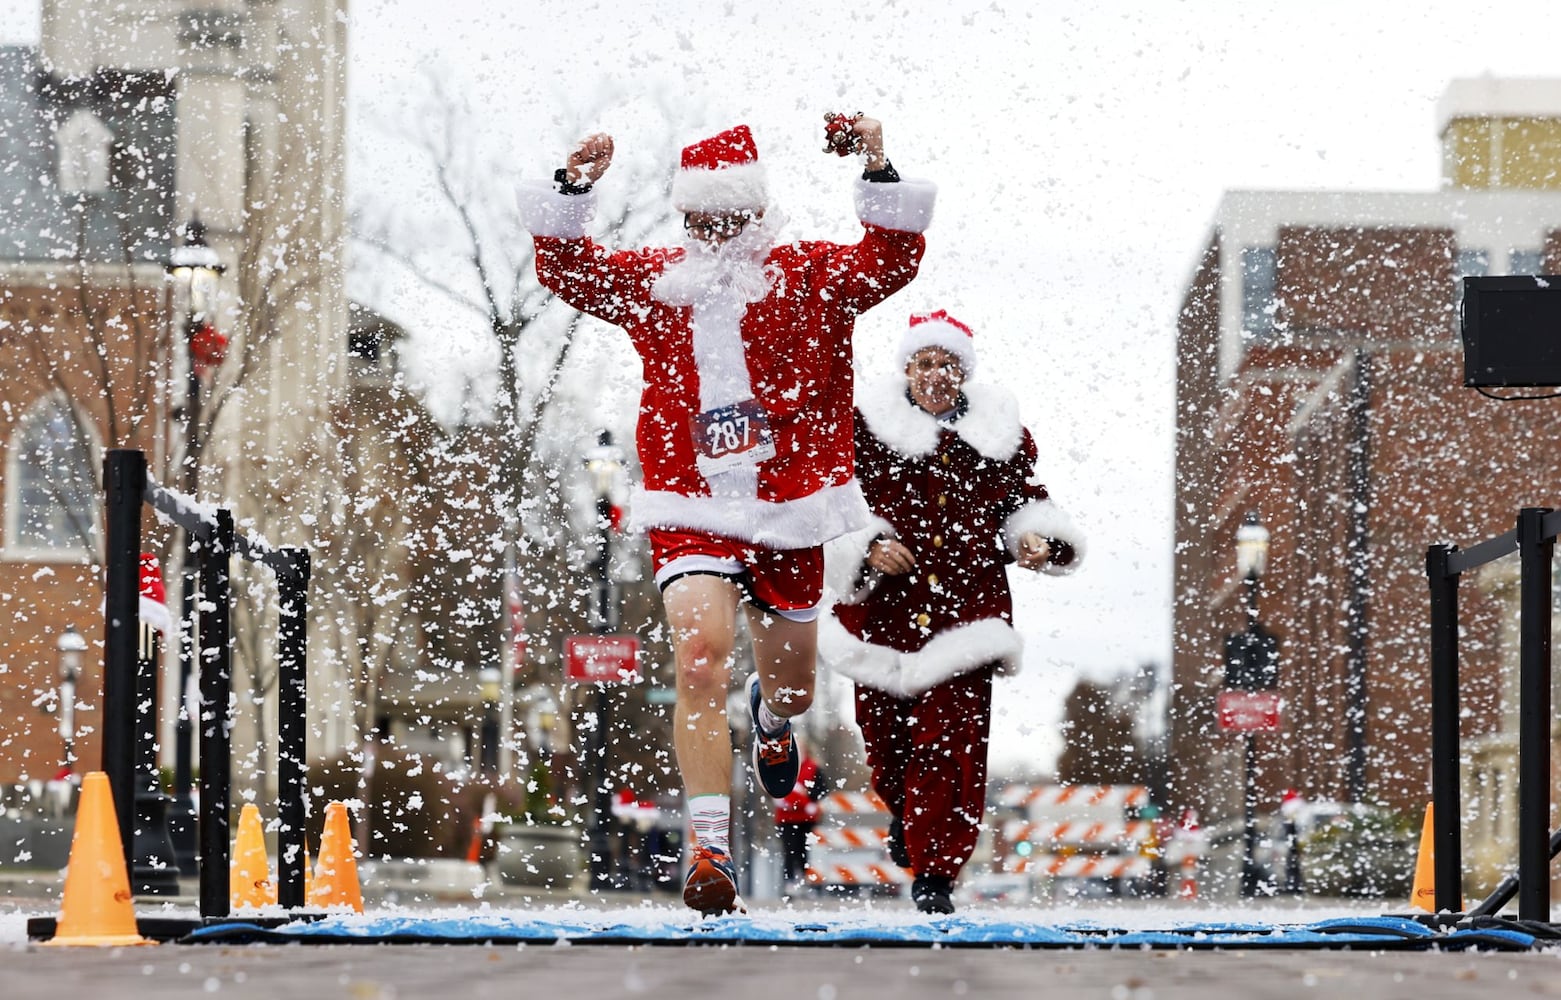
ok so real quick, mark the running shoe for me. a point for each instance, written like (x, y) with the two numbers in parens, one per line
(711, 886)
(775, 757)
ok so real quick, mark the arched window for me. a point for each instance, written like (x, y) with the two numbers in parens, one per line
(84, 146)
(52, 501)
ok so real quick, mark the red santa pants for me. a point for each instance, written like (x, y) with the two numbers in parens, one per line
(928, 757)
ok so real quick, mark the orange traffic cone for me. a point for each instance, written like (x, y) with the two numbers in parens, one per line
(249, 873)
(96, 907)
(474, 849)
(308, 872)
(1422, 895)
(336, 874)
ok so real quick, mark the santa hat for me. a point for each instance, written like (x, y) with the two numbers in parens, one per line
(154, 599)
(939, 329)
(721, 174)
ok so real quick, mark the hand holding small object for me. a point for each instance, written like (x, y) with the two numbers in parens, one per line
(846, 134)
(590, 159)
(1034, 550)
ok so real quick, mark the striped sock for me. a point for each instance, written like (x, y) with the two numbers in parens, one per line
(711, 816)
(770, 724)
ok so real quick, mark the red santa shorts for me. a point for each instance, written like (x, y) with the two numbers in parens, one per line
(789, 582)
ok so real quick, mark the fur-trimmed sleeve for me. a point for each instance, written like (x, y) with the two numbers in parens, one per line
(1039, 513)
(1050, 521)
(847, 577)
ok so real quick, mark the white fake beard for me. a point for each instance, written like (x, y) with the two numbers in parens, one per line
(734, 267)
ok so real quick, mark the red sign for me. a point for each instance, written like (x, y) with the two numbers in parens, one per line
(602, 659)
(1250, 711)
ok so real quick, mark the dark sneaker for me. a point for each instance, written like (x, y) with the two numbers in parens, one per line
(897, 852)
(775, 757)
(931, 894)
(711, 886)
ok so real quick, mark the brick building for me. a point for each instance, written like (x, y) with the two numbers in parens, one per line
(123, 124)
(1319, 385)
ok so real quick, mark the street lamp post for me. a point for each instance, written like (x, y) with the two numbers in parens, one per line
(71, 645)
(488, 679)
(194, 268)
(604, 464)
(1251, 562)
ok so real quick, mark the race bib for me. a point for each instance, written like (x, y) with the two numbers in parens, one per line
(731, 436)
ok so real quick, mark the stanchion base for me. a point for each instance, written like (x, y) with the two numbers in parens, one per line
(166, 929)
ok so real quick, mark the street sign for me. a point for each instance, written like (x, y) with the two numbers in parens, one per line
(602, 659)
(1249, 711)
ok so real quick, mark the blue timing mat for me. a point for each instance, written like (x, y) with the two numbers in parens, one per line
(666, 927)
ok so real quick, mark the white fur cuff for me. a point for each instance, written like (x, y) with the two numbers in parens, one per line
(1047, 519)
(545, 212)
(905, 205)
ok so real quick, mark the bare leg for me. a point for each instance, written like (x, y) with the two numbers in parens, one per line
(785, 655)
(702, 613)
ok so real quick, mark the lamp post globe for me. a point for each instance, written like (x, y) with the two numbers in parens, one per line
(1251, 547)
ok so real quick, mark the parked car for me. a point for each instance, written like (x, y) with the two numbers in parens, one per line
(1344, 849)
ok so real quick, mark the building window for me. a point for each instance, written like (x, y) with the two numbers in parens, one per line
(1526, 262)
(1259, 279)
(1473, 263)
(84, 145)
(51, 493)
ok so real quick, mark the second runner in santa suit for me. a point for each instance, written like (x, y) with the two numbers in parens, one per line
(745, 429)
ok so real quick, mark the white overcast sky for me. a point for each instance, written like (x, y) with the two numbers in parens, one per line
(1081, 151)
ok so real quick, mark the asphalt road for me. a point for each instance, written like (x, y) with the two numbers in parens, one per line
(756, 972)
(370, 972)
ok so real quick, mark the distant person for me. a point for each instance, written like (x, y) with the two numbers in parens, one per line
(744, 432)
(796, 815)
(925, 620)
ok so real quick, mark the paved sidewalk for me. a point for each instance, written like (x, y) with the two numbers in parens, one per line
(384, 972)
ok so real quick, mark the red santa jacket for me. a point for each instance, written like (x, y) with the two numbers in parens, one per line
(959, 497)
(795, 344)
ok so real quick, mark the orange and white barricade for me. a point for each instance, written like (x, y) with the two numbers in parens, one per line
(1051, 833)
(849, 847)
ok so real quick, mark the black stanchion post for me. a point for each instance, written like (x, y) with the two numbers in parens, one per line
(153, 871)
(216, 717)
(124, 482)
(293, 572)
(1446, 796)
(182, 821)
(1534, 552)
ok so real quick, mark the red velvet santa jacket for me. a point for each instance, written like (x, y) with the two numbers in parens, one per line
(959, 497)
(795, 344)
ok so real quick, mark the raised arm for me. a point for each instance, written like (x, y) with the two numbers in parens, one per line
(894, 212)
(603, 283)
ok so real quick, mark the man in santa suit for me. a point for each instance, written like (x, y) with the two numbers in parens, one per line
(924, 620)
(744, 433)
